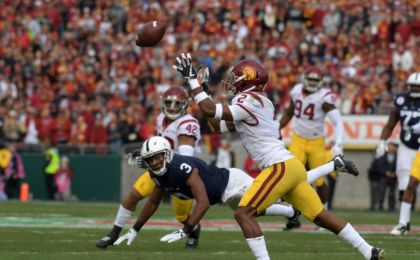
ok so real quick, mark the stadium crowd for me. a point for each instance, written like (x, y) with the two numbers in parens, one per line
(70, 72)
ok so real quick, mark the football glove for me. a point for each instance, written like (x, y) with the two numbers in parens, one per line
(381, 149)
(185, 67)
(173, 237)
(337, 149)
(133, 158)
(130, 236)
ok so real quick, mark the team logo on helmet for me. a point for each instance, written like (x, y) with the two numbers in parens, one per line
(249, 73)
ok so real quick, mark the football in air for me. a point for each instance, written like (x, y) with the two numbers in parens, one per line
(150, 34)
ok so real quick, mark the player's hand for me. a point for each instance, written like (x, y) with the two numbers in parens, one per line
(133, 158)
(185, 67)
(337, 149)
(175, 236)
(129, 236)
(381, 149)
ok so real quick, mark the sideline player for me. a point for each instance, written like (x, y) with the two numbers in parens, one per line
(191, 178)
(283, 176)
(406, 111)
(309, 105)
(183, 132)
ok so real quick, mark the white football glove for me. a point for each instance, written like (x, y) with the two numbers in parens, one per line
(337, 149)
(173, 237)
(381, 149)
(130, 236)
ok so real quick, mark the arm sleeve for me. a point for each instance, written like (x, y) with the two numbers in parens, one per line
(335, 117)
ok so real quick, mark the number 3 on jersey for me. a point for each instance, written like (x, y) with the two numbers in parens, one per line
(185, 167)
(307, 111)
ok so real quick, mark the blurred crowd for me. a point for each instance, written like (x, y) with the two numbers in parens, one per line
(70, 72)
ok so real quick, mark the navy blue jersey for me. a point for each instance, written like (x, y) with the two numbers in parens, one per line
(408, 111)
(174, 180)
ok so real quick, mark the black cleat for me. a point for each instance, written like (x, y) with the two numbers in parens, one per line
(105, 242)
(293, 222)
(193, 237)
(341, 165)
(377, 254)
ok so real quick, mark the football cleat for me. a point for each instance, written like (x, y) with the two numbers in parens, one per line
(193, 237)
(293, 222)
(105, 242)
(377, 254)
(341, 165)
(400, 229)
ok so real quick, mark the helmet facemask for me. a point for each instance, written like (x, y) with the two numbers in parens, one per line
(165, 160)
(413, 90)
(156, 151)
(312, 84)
(173, 108)
(232, 84)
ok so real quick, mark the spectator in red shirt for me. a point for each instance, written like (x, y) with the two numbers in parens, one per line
(98, 134)
(46, 126)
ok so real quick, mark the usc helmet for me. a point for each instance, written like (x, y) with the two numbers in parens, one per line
(312, 79)
(245, 75)
(153, 146)
(413, 85)
(174, 102)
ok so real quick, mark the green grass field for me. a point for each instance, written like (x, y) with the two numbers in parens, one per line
(41, 230)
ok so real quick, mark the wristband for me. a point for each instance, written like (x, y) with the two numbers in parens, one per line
(137, 226)
(200, 97)
(193, 83)
(219, 111)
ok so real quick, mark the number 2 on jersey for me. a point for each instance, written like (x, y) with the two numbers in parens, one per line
(308, 111)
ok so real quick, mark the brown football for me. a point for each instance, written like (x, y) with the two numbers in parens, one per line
(150, 34)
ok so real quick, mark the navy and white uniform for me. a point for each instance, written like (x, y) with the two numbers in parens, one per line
(222, 185)
(408, 111)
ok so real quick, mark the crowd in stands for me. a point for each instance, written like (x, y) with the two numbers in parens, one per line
(70, 72)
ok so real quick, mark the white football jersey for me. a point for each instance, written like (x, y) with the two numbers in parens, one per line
(184, 125)
(254, 120)
(308, 119)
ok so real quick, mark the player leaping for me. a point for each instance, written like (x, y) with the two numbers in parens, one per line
(283, 176)
(191, 178)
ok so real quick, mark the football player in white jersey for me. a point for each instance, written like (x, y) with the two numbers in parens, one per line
(183, 132)
(310, 103)
(283, 176)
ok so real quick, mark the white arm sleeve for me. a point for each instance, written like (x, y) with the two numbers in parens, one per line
(335, 117)
(186, 150)
(239, 112)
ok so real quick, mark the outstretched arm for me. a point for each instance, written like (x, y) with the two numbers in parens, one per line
(389, 126)
(206, 105)
(200, 195)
